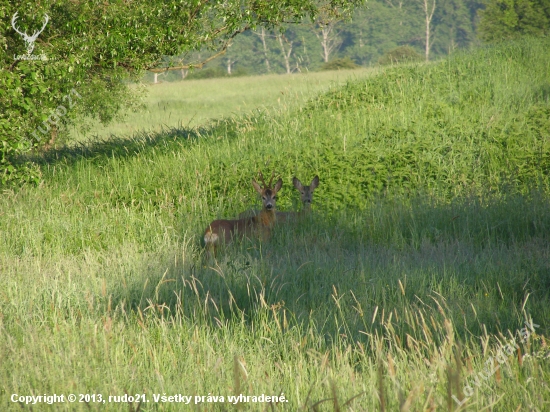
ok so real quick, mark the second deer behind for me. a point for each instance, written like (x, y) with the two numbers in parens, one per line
(306, 196)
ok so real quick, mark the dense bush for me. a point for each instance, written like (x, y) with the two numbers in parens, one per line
(475, 122)
(340, 64)
(401, 54)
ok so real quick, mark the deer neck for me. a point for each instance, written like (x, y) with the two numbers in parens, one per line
(267, 217)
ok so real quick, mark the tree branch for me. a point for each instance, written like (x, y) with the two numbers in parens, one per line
(202, 63)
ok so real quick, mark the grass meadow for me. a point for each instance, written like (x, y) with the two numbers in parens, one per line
(419, 282)
(192, 103)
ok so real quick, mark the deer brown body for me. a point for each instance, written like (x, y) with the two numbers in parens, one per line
(260, 225)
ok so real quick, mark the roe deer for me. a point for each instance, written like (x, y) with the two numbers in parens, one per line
(260, 225)
(306, 196)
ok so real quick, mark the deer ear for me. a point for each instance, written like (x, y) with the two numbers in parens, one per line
(297, 184)
(278, 185)
(314, 183)
(256, 186)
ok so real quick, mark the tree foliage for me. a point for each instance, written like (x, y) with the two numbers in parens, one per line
(371, 32)
(507, 19)
(93, 47)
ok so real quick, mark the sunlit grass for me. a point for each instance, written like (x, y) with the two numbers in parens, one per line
(191, 103)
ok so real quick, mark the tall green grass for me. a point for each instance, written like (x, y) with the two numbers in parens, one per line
(427, 250)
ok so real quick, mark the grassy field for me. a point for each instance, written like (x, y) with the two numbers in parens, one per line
(420, 282)
(193, 103)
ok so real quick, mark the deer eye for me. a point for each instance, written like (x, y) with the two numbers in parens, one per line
(264, 198)
(274, 197)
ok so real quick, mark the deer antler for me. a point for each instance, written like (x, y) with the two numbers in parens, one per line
(261, 177)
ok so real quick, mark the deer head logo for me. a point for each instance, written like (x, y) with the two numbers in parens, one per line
(29, 40)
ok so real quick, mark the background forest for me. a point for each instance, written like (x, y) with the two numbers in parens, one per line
(383, 32)
(382, 29)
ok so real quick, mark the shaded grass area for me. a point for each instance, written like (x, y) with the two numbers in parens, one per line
(314, 311)
(398, 290)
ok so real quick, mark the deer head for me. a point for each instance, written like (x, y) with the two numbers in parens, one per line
(306, 192)
(268, 192)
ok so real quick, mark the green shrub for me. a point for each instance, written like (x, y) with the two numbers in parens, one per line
(340, 64)
(401, 54)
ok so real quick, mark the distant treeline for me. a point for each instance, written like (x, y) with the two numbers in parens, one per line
(377, 33)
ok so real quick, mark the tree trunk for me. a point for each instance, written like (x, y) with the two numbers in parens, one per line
(229, 64)
(325, 31)
(429, 15)
(286, 54)
(262, 37)
(329, 40)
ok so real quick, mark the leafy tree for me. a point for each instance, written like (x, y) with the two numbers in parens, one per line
(506, 19)
(454, 26)
(384, 26)
(94, 46)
